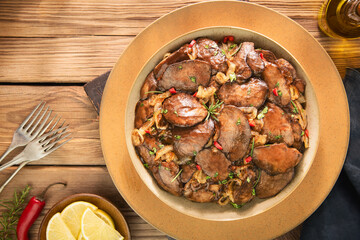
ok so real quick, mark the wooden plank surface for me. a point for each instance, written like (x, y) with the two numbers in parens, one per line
(78, 40)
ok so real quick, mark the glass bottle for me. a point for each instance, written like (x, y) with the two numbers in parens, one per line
(340, 18)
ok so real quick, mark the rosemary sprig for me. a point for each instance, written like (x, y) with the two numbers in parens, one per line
(11, 215)
(212, 110)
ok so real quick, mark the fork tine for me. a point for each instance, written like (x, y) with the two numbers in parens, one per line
(36, 133)
(43, 137)
(30, 115)
(46, 127)
(53, 149)
(56, 141)
(34, 118)
(57, 121)
(55, 135)
(39, 120)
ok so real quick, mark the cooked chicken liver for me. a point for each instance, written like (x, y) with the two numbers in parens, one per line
(270, 185)
(274, 79)
(187, 76)
(164, 174)
(300, 84)
(214, 163)
(209, 51)
(242, 70)
(267, 55)
(177, 56)
(276, 158)
(277, 125)
(243, 193)
(183, 110)
(255, 62)
(150, 84)
(188, 172)
(250, 94)
(189, 141)
(197, 192)
(143, 111)
(287, 70)
(234, 136)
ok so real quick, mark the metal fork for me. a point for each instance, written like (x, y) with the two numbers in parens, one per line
(37, 149)
(26, 131)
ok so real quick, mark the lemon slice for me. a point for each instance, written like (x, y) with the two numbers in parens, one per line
(94, 228)
(80, 237)
(72, 214)
(57, 229)
(105, 217)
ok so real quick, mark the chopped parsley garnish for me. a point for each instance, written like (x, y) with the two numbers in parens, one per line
(149, 119)
(164, 111)
(295, 108)
(223, 52)
(248, 179)
(262, 113)
(238, 122)
(215, 53)
(253, 192)
(232, 77)
(177, 175)
(159, 165)
(252, 147)
(280, 93)
(302, 133)
(277, 84)
(257, 181)
(194, 152)
(224, 181)
(278, 136)
(212, 110)
(193, 79)
(231, 175)
(161, 145)
(166, 168)
(232, 46)
(236, 205)
(216, 174)
(251, 105)
(177, 137)
(141, 104)
(207, 46)
(180, 67)
(208, 177)
(175, 112)
(146, 165)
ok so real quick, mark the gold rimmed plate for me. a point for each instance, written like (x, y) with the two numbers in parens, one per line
(333, 118)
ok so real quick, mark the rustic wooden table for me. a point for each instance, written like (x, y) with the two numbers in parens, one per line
(50, 49)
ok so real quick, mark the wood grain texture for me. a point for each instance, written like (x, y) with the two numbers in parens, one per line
(89, 180)
(75, 41)
(69, 102)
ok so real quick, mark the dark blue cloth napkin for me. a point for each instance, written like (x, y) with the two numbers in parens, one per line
(339, 215)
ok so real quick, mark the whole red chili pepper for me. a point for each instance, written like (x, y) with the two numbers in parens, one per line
(31, 213)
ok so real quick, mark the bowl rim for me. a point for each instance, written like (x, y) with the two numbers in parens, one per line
(293, 61)
(51, 212)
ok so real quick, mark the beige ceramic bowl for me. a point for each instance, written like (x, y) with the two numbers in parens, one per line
(212, 211)
(103, 204)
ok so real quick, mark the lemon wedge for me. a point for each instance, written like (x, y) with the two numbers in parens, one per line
(105, 217)
(57, 229)
(94, 228)
(72, 214)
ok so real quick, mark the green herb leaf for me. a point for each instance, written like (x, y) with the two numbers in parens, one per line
(248, 179)
(224, 181)
(252, 147)
(238, 122)
(236, 205)
(164, 111)
(212, 110)
(207, 46)
(277, 84)
(195, 153)
(141, 104)
(215, 53)
(223, 52)
(175, 112)
(161, 145)
(146, 165)
(262, 113)
(232, 46)
(193, 79)
(177, 175)
(295, 108)
(180, 67)
(208, 177)
(278, 136)
(280, 93)
(302, 133)
(177, 137)
(232, 77)
(251, 105)
(216, 174)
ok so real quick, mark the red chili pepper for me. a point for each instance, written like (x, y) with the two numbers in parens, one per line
(148, 131)
(262, 56)
(275, 92)
(248, 159)
(172, 90)
(192, 43)
(217, 145)
(231, 38)
(307, 132)
(195, 94)
(31, 213)
(226, 39)
(198, 167)
(251, 123)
